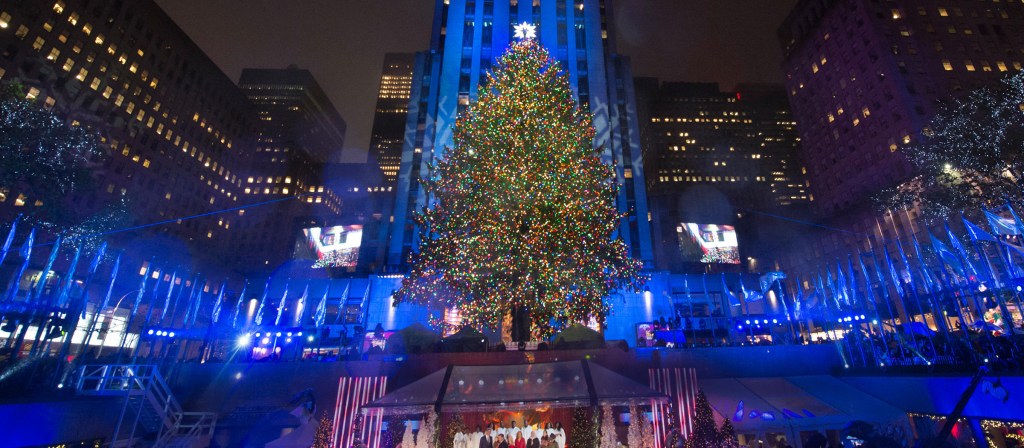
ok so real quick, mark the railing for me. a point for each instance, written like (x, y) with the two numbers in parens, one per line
(144, 388)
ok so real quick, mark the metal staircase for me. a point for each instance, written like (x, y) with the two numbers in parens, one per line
(151, 416)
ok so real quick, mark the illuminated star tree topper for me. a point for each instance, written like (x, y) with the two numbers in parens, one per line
(522, 212)
(525, 30)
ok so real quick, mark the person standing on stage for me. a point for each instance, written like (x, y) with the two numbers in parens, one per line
(486, 441)
(559, 435)
(533, 441)
(512, 432)
(473, 439)
(499, 442)
(520, 441)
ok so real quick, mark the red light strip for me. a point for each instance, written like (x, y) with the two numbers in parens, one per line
(353, 393)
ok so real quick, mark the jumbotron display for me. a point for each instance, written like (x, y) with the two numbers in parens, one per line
(708, 243)
(335, 246)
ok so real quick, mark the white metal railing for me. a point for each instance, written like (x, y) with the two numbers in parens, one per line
(144, 383)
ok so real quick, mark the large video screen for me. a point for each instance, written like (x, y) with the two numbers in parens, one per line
(708, 243)
(336, 246)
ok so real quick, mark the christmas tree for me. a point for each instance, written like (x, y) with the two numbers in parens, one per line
(522, 211)
(392, 438)
(634, 438)
(705, 433)
(324, 433)
(608, 437)
(584, 430)
(407, 439)
(728, 435)
(968, 156)
(455, 426)
(427, 435)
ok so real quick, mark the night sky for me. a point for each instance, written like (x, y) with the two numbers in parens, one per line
(342, 42)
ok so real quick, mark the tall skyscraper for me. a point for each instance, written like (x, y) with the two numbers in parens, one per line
(711, 155)
(467, 38)
(389, 116)
(299, 129)
(296, 115)
(864, 78)
(178, 129)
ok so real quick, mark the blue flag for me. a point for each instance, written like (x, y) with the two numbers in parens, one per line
(263, 302)
(321, 308)
(977, 233)
(215, 314)
(853, 281)
(892, 272)
(767, 280)
(1016, 219)
(970, 270)
(733, 300)
(1002, 226)
(238, 305)
(947, 256)
(280, 306)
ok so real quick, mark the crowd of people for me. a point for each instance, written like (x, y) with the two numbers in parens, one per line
(513, 436)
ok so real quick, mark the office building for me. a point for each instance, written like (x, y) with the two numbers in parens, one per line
(299, 130)
(389, 116)
(178, 129)
(467, 38)
(864, 78)
(713, 155)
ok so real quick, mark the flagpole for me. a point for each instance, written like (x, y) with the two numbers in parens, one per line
(53, 308)
(887, 298)
(872, 306)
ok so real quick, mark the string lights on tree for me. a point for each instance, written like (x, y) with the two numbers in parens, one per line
(522, 212)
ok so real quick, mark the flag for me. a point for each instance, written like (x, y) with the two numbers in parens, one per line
(280, 306)
(844, 294)
(26, 253)
(195, 310)
(41, 282)
(955, 242)
(215, 314)
(869, 295)
(749, 296)
(929, 282)
(853, 281)
(767, 280)
(321, 308)
(946, 255)
(238, 305)
(167, 299)
(65, 287)
(10, 239)
(341, 301)
(1016, 219)
(300, 306)
(258, 319)
(1000, 225)
(798, 304)
(892, 272)
(906, 266)
(733, 300)
(832, 287)
(977, 233)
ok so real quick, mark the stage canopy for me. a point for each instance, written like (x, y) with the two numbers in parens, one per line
(513, 387)
(797, 403)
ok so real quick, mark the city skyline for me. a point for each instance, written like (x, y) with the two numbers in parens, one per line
(728, 42)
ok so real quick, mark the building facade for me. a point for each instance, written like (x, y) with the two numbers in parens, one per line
(864, 78)
(178, 130)
(299, 130)
(390, 114)
(711, 156)
(467, 38)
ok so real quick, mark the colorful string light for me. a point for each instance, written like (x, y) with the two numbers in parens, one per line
(522, 208)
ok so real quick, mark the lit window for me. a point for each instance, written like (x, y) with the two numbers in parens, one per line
(38, 44)
(82, 73)
(87, 29)
(969, 65)
(896, 14)
(73, 18)
(5, 19)
(107, 91)
(1001, 66)
(134, 67)
(99, 39)
(58, 7)
(53, 54)
(943, 12)
(866, 112)
(141, 53)
(32, 93)
(145, 163)
(95, 83)
(947, 65)
(68, 64)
